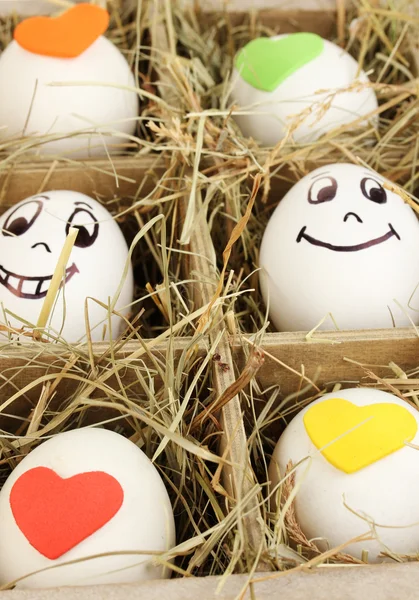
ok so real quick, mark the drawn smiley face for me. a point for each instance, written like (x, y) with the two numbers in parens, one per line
(341, 243)
(20, 221)
(31, 239)
(325, 189)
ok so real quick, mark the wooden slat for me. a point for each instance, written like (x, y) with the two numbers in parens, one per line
(246, 6)
(287, 21)
(120, 178)
(329, 351)
(239, 479)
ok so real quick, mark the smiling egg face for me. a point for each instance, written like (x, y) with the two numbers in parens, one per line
(298, 81)
(32, 236)
(355, 473)
(341, 243)
(80, 494)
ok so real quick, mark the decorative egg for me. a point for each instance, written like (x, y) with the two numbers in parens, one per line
(355, 473)
(83, 493)
(32, 236)
(341, 243)
(62, 79)
(279, 81)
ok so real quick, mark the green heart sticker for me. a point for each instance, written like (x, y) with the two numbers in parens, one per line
(265, 63)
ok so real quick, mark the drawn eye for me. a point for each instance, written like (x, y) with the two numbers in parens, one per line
(322, 190)
(373, 190)
(88, 227)
(22, 218)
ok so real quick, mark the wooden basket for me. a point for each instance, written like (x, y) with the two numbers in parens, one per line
(285, 355)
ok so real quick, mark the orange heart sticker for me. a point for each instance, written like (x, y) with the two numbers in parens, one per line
(66, 36)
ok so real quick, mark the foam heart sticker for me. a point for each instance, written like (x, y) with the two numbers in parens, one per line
(265, 63)
(66, 36)
(56, 514)
(353, 437)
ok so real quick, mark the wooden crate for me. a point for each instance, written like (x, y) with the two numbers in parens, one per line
(292, 350)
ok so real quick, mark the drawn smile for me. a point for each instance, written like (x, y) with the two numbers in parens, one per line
(31, 288)
(392, 232)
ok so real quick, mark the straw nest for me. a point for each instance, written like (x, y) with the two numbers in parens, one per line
(153, 390)
(195, 75)
(148, 384)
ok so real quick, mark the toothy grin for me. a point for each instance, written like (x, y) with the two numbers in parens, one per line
(31, 288)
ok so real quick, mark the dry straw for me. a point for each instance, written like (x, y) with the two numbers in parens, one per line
(148, 383)
(155, 384)
(197, 65)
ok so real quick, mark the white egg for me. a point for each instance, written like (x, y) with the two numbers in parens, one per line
(339, 242)
(28, 7)
(32, 236)
(83, 493)
(91, 94)
(273, 85)
(335, 504)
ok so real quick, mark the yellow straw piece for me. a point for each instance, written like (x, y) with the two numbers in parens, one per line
(57, 278)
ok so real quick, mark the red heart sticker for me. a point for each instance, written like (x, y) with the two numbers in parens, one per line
(56, 514)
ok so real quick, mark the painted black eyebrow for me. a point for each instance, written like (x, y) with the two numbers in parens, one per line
(85, 204)
(321, 174)
(40, 196)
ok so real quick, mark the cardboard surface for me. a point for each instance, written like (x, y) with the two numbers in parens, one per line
(399, 582)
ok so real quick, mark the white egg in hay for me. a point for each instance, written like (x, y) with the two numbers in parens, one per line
(355, 473)
(298, 80)
(83, 493)
(66, 84)
(341, 243)
(31, 239)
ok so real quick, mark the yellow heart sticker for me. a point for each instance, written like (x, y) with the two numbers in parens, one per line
(352, 437)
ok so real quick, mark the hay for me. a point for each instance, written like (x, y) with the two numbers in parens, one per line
(196, 74)
(142, 384)
(197, 78)
(156, 384)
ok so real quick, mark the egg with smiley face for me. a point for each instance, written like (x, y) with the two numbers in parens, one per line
(341, 243)
(32, 236)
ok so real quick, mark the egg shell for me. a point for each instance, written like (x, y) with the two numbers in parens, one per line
(371, 287)
(144, 522)
(97, 98)
(307, 88)
(29, 260)
(384, 493)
